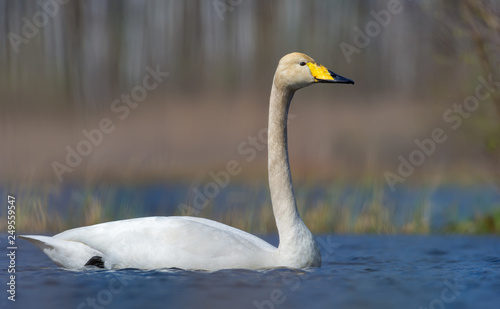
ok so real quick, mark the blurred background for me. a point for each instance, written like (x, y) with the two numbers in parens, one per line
(117, 109)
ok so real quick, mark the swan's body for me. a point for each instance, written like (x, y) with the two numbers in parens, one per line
(197, 243)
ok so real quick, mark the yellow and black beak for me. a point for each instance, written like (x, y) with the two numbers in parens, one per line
(323, 75)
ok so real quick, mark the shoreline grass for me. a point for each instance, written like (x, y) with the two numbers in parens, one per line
(367, 208)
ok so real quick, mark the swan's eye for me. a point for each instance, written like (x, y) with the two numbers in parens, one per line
(302, 63)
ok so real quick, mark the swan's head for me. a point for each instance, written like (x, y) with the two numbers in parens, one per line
(297, 70)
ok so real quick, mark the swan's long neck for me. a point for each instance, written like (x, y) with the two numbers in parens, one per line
(294, 236)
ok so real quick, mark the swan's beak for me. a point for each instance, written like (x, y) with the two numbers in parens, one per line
(323, 75)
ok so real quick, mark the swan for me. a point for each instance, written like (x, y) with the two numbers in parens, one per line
(193, 243)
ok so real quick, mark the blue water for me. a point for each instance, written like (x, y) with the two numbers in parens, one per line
(357, 272)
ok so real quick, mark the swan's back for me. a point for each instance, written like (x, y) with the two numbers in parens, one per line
(161, 242)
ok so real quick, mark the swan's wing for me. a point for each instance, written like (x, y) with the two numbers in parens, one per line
(183, 242)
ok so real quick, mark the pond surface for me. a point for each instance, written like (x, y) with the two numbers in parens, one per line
(357, 272)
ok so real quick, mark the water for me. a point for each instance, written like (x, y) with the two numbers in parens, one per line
(357, 272)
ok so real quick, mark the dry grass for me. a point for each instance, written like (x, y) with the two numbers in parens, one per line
(176, 139)
(330, 146)
(336, 212)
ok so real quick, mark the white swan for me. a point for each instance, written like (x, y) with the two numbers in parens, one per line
(201, 244)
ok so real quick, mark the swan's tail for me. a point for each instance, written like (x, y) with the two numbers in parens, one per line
(65, 253)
